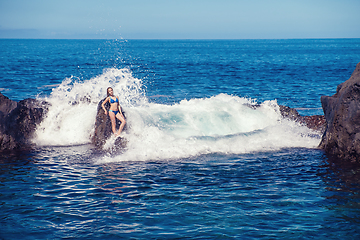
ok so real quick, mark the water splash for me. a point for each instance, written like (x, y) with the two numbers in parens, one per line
(220, 124)
(71, 117)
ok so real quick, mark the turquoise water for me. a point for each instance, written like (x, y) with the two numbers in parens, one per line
(199, 163)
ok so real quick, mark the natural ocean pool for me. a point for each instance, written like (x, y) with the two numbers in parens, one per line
(199, 164)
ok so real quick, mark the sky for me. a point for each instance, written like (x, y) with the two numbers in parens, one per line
(179, 19)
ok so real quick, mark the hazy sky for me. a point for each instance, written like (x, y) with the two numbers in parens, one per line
(180, 19)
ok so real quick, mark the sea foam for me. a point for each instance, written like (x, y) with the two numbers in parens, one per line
(221, 124)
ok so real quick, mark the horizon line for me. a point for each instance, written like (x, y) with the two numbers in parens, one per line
(312, 38)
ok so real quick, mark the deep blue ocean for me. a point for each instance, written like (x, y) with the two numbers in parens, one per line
(200, 162)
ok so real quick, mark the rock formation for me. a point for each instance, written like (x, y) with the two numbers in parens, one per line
(102, 126)
(18, 121)
(342, 112)
(315, 122)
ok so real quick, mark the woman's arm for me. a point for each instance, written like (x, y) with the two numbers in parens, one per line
(103, 104)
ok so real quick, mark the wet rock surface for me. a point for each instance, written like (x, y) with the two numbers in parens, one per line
(342, 112)
(315, 122)
(18, 121)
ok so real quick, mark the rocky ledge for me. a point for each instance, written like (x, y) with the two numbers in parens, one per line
(18, 121)
(342, 112)
(315, 122)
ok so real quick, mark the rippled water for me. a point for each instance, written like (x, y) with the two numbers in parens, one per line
(289, 194)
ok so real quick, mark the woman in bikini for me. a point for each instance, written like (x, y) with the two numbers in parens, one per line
(114, 111)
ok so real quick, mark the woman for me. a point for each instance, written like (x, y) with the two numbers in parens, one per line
(114, 111)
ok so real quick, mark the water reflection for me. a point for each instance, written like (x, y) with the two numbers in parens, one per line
(111, 180)
(15, 163)
(342, 181)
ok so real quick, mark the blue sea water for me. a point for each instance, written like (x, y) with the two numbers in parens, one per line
(200, 162)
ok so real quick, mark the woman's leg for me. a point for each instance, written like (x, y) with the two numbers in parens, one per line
(113, 123)
(123, 122)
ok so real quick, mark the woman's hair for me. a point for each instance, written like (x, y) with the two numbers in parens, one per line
(107, 91)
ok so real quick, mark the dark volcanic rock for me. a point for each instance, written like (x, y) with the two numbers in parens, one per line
(315, 122)
(342, 112)
(6, 106)
(290, 113)
(102, 126)
(18, 121)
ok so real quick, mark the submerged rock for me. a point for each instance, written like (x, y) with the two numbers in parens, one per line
(342, 112)
(18, 121)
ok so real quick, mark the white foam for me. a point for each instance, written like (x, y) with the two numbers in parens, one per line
(221, 124)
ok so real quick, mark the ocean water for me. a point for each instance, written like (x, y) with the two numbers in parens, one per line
(200, 162)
